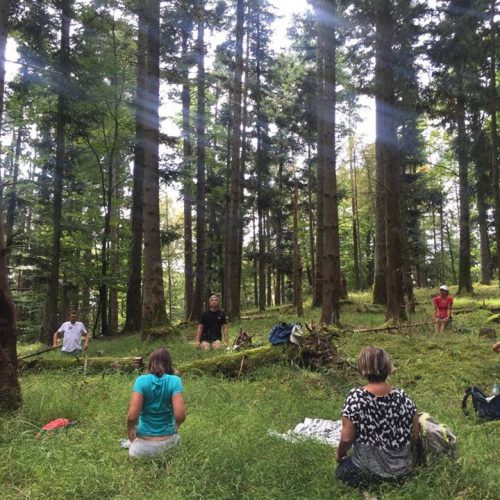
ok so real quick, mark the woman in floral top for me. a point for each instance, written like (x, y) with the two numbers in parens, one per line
(380, 423)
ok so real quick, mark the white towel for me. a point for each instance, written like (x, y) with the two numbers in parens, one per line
(325, 431)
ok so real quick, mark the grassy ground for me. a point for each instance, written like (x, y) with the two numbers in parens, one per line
(226, 452)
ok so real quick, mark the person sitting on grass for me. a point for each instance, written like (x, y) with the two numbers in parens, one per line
(380, 423)
(442, 308)
(157, 406)
(212, 325)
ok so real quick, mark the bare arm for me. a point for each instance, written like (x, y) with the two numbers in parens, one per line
(86, 341)
(199, 331)
(54, 338)
(448, 312)
(134, 410)
(179, 409)
(347, 438)
(435, 309)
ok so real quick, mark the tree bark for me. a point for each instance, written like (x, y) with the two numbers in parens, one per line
(187, 152)
(297, 261)
(320, 167)
(232, 277)
(12, 199)
(494, 135)
(50, 313)
(153, 305)
(133, 320)
(10, 390)
(332, 286)
(355, 220)
(464, 267)
(200, 280)
(384, 97)
(386, 147)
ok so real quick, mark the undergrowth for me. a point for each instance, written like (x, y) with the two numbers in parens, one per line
(226, 451)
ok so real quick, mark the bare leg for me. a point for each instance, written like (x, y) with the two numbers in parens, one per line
(205, 346)
(217, 344)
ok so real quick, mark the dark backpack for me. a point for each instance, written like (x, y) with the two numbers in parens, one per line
(485, 410)
(280, 333)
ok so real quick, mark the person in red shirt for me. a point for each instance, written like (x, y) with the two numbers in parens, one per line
(442, 308)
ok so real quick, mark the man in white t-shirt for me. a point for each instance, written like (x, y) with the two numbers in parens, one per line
(72, 332)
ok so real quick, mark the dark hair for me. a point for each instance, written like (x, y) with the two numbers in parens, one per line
(374, 364)
(160, 362)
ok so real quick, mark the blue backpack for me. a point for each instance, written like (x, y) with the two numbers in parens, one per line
(280, 333)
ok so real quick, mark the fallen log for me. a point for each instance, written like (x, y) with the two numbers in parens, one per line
(41, 351)
(391, 327)
(465, 310)
(92, 364)
(234, 364)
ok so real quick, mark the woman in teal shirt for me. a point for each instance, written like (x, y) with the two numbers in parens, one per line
(156, 408)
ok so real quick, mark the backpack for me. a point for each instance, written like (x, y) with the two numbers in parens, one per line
(485, 408)
(280, 333)
(435, 440)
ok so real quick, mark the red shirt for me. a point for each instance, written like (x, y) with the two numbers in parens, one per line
(442, 305)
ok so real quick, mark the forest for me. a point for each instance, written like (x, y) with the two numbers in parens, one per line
(266, 192)
(156, 152)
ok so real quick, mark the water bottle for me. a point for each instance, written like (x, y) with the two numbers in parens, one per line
(495, 389)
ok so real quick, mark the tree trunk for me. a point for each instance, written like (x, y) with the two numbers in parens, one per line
(386, 144)
(261, 163)
(10, 390)
(153, 305)
(494, 138)
(200, 281)
(384, 97)
(464, 268)
(297, 261)
(320, 167)
(133, 313)
(50, 313)
(232, 277)
(452, 255)
(12, 199)
(310, 213)
(332, 286)
(355, 223)
(187, 152)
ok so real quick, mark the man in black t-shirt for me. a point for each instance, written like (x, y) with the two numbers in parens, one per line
(212, 325)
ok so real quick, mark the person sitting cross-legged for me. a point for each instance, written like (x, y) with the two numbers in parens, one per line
(156, 408)
(379, 423)
(212, 326)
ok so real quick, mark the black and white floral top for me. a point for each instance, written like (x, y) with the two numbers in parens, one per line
(383, 430)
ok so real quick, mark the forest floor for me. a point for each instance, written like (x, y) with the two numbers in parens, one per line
(226, 452)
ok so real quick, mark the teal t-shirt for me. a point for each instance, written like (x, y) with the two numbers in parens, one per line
(157, 415)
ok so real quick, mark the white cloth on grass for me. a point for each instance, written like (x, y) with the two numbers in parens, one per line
(325, 431)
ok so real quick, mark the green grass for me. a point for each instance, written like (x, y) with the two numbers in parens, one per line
(226, 452)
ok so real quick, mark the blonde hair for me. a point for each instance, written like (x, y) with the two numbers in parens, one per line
(374, 364)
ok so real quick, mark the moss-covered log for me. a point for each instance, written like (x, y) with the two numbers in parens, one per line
(232, 365)
(93, 364)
